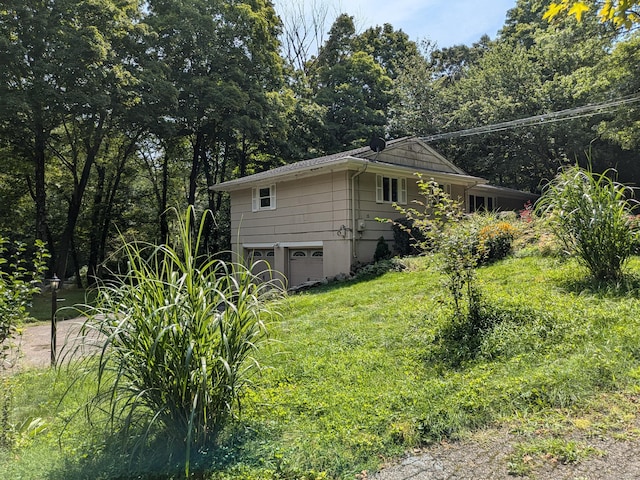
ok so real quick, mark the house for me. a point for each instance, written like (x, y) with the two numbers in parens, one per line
(316, 219)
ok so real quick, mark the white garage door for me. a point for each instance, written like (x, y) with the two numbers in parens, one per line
(261, 261)
(304, 265)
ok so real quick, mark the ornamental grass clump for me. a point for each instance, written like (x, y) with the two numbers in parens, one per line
(177, 335)
(590, 214)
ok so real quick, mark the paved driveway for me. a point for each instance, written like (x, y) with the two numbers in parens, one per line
(36, 342)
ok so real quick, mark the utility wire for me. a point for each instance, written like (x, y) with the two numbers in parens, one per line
(561, 115)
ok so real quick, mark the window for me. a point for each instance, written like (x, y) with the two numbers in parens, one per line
(479, 203)
(391, 190)
(263, 198)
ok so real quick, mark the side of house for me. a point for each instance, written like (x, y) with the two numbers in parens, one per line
(317, 218)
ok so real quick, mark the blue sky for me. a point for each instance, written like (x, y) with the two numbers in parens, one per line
(446, 22)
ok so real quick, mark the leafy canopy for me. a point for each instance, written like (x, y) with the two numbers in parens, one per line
(621, 13)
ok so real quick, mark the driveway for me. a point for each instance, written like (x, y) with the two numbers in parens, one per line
(36, 342)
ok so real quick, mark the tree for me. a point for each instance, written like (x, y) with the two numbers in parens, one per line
(354, 89)
(533, 68)
(303, 32)
(620, 13)
(222, 60)
(620, 78)
(70, 75)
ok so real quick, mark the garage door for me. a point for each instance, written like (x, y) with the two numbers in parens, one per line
(304, 265)
(262, 262)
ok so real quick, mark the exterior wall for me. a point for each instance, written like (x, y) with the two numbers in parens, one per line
(305, 211)
(368, 210)
(415, 156)
(309, 212)
(337, 256)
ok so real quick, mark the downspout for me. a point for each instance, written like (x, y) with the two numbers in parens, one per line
(354, 226)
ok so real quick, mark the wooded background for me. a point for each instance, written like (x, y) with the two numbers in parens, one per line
(111, 111)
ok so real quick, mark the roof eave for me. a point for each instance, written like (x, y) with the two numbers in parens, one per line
(343, 163)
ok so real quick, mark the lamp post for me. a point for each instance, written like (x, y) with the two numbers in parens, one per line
(55, 285)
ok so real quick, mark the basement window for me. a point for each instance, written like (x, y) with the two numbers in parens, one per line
(391, 190)
(263, 198)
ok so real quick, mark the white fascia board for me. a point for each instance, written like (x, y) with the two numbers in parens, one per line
(310, 244)
(344, 163)
(507, 192)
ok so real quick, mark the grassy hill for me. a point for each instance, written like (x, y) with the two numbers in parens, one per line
(361, 372)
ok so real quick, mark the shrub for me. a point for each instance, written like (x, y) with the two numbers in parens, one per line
(177, 334)
(590, 213)
(380, 268)
(495, 240)
(19, 281)
(382, 250)
(407, 238)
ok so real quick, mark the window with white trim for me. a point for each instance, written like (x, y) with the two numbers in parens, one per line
(263, 198)
(481, 203)
(391, 190)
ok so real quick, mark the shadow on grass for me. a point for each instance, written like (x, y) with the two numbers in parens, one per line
(162, 460)
(627, 286)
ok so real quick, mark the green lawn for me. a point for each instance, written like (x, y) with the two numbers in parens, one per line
(67, 298)
(359, 373)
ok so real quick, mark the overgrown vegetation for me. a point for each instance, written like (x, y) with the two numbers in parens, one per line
(177, 336)
(20, 277)
(591, 214)
(353, 377)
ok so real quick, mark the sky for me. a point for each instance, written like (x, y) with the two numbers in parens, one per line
(445, 22)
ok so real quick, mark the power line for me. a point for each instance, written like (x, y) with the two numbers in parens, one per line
(561, 115)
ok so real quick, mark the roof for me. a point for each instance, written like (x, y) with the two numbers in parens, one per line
(356, 159)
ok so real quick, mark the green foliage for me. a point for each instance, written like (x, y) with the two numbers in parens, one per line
(590, 213)
(407, 239)
(20, 278)
(380, 268)
(383, 252)
(495, 240)
(178, 334)
(353, 378)
(353, 86)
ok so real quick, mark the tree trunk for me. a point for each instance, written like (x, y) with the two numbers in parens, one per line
(94, 242)
(195, 168)
(75, 204)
